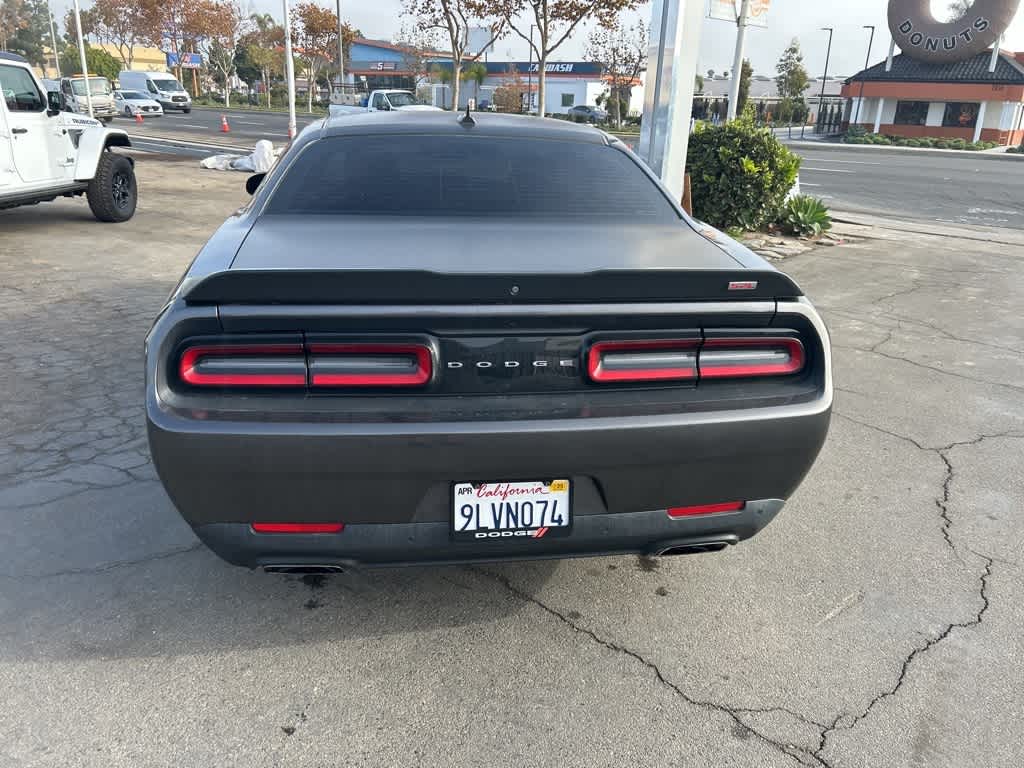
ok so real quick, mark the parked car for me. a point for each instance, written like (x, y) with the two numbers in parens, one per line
(350, 103)
(584, 114)
(131, 103)
(401, 368)
(162, 87)
(46, 153)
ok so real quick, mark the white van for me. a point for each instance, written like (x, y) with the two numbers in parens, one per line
(159, 86)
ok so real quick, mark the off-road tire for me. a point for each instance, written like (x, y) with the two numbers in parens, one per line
(113, 192)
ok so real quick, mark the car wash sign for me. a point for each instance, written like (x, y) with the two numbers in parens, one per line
(729, 10)
(184, 60)
(920, 36)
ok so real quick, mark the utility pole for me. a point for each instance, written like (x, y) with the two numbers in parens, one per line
(824, 78)
(668, 99)
(867, 63)
(737, 62)
(289, 69)
(81, 58)
(341, 50)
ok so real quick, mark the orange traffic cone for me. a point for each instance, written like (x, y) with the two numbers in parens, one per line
(138, 118)
(224, 127)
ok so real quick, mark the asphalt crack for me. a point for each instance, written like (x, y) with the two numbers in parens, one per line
(852, 721)
(800, 756)
(113, 565)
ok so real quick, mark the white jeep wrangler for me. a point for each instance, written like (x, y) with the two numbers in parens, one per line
(46, 153)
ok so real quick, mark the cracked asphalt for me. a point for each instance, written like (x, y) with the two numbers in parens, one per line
(875, 623)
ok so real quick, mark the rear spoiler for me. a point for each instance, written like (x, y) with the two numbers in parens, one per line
(420, 287)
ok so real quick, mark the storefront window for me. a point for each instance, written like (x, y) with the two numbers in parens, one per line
(960, 114)
(911, 112)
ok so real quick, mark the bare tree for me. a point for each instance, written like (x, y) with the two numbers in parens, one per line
(263, 44)
(622, 52)
(555, 21)
(453, 19)
(124, 24)
(222, 41)
(418, 49)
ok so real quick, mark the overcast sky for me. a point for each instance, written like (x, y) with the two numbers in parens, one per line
(788, 19)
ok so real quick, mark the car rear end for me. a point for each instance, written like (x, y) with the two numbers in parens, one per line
(383, 395)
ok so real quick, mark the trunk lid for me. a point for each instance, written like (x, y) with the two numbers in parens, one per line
(326, 260)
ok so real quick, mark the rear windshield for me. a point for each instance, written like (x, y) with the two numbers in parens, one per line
(460, 175)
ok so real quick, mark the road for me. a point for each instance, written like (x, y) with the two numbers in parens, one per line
(963, 188)
(876, 622)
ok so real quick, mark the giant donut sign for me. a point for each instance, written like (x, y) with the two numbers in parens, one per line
(921, 37)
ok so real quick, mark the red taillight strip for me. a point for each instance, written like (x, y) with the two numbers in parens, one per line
(709, 370)
(706, 509)
(599, 373)
(298, 527)
(193, 355)
(418, 377)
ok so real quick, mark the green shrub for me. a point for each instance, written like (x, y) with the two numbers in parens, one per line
(914, 143)
(942, 144)
(957, 144)
(804, 215)
(739, 174)
(855, 132)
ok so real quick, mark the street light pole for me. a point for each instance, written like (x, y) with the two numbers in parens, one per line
(289, 69)
(81, 58)
(867, 63)
(737, 63)
(53, 41)
(529, 77)
(341, 50)
(824, 77)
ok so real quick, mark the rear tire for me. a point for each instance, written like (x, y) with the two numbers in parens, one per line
(113, 192)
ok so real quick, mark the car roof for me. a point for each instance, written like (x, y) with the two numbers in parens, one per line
(484, 124)
(5, 56)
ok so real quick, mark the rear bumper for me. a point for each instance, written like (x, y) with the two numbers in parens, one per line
(645, 533)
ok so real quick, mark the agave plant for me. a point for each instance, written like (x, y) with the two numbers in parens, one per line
(805, 215)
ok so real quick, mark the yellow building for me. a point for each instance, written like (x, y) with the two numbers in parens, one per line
(143, 59)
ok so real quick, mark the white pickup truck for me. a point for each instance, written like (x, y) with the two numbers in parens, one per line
(377, 101)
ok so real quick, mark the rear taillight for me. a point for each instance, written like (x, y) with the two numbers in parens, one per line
(646, 360)
(248, 365)
(736, 358)
(706, 509)
(298, 527)
(370, 365)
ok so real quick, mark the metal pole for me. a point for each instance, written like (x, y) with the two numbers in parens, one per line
(668, 105)
(529, 77)
(737, 62)
(867, 63)
(81, 57)
(289, 69)
(995, 54)
(824, 77)
(53, 41)
(341, 50)
(888, 61)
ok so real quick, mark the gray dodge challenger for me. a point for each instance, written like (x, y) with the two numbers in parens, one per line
(434, 338)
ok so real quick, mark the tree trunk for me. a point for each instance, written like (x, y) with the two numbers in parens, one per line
(456, 79)
(266, 83)
(618, 110)
(541, 82)
(227, 92)
(310, 83)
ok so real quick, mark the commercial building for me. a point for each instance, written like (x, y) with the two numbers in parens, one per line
(380, 64)
(968, 99)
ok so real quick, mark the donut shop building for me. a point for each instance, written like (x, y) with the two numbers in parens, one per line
(971, 99)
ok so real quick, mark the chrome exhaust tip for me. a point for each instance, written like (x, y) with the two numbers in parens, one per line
(303, 570)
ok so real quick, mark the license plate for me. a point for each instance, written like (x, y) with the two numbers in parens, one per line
(511, 511)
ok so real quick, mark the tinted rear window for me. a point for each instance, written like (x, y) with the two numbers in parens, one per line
(460, 175)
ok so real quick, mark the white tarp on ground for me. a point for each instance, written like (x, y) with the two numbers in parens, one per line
(260, 161)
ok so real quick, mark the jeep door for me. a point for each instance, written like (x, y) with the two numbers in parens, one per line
(28, 125)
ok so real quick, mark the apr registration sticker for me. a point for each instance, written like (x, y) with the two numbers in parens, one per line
(511, 511)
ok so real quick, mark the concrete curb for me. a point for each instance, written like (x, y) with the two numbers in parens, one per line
(990, 154)
(878, 227)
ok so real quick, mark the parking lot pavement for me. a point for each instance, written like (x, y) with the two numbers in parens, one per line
(875, 623)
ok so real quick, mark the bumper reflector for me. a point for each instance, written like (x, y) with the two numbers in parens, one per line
(298, 527)
(706, 509)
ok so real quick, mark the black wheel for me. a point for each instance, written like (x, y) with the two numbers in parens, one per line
(187, 110)
(113, 193)
(127, 111)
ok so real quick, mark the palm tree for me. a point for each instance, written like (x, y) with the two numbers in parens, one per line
(444, 76)
(477, 72)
